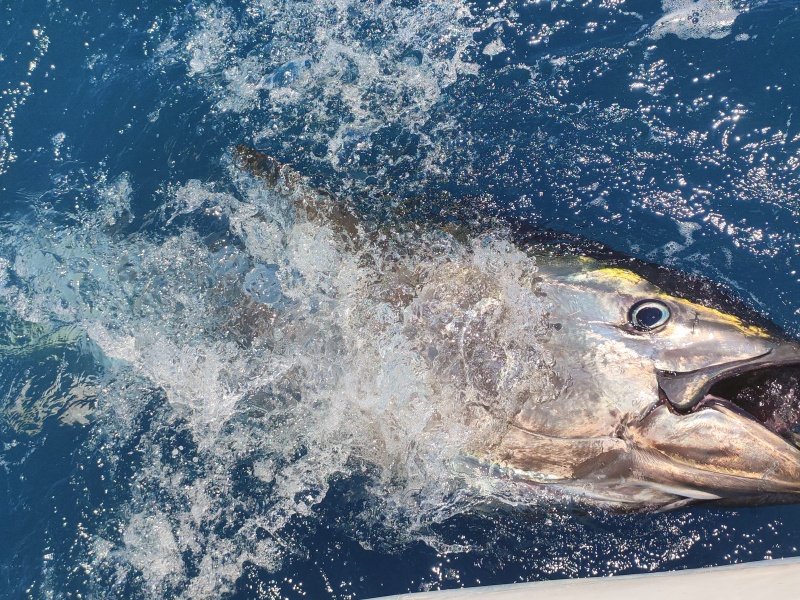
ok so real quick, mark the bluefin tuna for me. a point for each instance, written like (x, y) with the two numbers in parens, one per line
(640, 420)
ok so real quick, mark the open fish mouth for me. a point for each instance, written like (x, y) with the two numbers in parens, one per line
(684, 390)
(739, 442)
(765, 388)
(769, 395)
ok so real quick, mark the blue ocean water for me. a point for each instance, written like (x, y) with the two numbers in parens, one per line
(160, 440)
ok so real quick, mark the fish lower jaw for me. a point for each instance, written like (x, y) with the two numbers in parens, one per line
(519, 487)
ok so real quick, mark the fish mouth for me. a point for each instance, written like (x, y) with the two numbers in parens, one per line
(739, 442)
(765, 388)
(686, 390)
(734, 441)
(769, 395)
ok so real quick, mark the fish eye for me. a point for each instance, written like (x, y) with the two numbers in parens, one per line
(648, 315)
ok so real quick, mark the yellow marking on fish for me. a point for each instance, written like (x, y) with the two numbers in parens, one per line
(722, 317)
(616, 274)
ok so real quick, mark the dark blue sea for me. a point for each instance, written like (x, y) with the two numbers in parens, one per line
(159, 438)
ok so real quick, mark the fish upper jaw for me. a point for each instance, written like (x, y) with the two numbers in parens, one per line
(684, 390)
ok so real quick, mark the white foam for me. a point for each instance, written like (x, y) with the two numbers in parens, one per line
(153, 550)
(380, 63)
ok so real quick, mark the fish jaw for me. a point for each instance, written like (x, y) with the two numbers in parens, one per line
(685, 390)
(599, 471)
(662, 458)
(666, 460)
(717, 451)
(705, 444)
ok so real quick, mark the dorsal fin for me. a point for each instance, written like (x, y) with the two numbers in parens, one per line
(312, 203)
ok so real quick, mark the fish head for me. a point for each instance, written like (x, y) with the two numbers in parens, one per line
(639, 423)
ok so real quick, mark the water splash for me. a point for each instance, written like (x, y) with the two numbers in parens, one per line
(326, 373)
(348, 72)
(248, 365)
